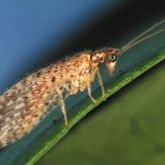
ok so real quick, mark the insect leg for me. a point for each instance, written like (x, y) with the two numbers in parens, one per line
(62, 107)
(89, 91)
(100, 81)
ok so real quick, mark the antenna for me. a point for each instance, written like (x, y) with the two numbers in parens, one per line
(143, 36)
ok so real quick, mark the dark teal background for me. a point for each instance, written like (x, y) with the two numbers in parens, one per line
(30, 29)
(36, 33)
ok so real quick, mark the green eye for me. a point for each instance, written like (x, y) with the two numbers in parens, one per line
(112, 58)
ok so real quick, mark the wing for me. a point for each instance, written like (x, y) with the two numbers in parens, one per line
(23, 106)
(26, 103)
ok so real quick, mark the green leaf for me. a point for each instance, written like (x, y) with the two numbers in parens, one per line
(127, 129)
(149, 60)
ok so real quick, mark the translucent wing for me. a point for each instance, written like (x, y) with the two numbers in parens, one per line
(23, 106)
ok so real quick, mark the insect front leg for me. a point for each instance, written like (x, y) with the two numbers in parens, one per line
(88, 83)
(100, 82)
(62, 107)
(90, 93)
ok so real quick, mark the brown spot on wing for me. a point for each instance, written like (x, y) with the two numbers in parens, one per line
(21, 111)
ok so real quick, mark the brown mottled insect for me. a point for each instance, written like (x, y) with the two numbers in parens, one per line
(26, 103)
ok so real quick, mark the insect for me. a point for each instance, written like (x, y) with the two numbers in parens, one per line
(26, 103)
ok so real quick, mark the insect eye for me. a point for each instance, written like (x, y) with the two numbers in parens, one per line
(112, 58)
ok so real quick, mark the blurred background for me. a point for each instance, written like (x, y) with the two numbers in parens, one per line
(34, 34)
